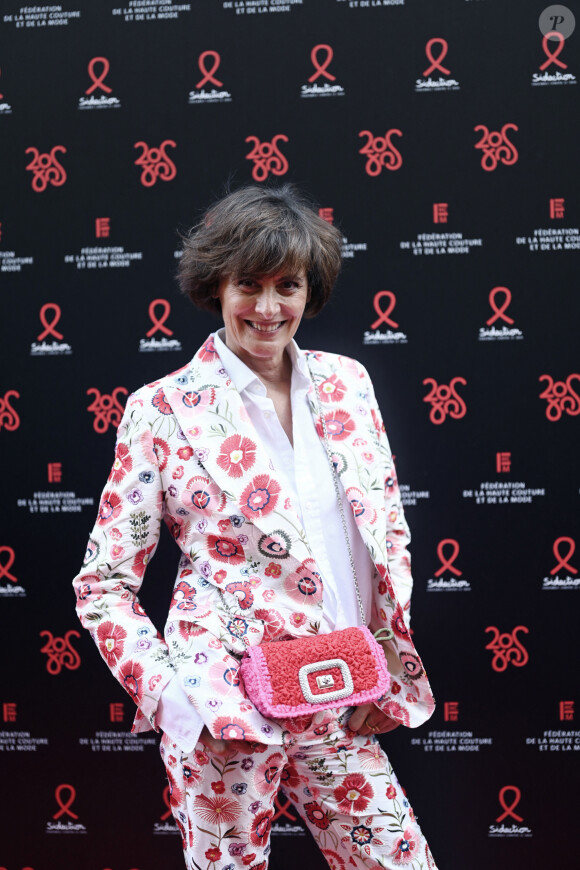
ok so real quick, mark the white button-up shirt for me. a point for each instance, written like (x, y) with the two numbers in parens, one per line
(305, 475)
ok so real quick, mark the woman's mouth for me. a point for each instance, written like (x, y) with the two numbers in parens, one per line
(265, 327)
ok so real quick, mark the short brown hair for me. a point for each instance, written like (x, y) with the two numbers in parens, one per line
(260, 231)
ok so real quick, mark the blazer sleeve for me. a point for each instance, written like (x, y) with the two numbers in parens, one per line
(398, 533)
(120, 546)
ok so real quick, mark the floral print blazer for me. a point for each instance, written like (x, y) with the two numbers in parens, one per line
(188, 454)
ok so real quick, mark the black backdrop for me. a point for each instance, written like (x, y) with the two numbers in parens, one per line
(444, 204)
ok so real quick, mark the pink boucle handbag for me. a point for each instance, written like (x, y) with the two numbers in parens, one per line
(341, 669)
(297, 677)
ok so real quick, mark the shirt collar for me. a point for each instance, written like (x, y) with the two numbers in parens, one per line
(242, 375)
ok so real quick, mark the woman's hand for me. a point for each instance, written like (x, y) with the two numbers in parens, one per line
(228, 747)
(368, 719)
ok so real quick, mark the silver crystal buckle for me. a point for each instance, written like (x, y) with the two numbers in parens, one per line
(324, 680)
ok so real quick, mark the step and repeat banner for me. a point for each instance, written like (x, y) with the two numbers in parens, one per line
(441, 138)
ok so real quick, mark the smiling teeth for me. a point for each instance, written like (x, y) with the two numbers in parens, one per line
(263, 328)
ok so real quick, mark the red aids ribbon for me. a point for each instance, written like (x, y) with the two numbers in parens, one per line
(500, 312)
(50, 330)
(282, 810)
(563, 560)
(65, 807)
(158, 322)
(5, 569)
(553, 55)
(448, 563)
(384, 315)
(167, 803)
(98, 81)
(435, 62)
(321, 67)
(509, 811)
(208, 75)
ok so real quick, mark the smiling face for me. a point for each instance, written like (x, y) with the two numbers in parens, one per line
(261, 315)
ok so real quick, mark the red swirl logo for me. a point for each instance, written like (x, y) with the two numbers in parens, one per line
(561, 397)
(507, 648)
(267, 157)
(9, 419)
(155, 163)
(380, 152)
(60, 652)
(107, 409)
(98, 81)
(45, 168)
(496, 147)
(445, 400)
(436, 61)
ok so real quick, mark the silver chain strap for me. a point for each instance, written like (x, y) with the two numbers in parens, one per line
(334, 473)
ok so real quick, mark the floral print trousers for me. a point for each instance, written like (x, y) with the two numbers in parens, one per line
(342, 785)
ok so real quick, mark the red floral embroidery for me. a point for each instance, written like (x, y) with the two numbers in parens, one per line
(217, 809)
(273, 570)
(185, 452)
(162, 452)
(237, 455)
(110, 639)
(339, 425)
(131, 675)
(353, 794)
(141, 559)
(122, 464)
(260, 828)
(227, 550)
(110, 508)
(331, 390)
(317, 815)
(260, 497)
(160, 402)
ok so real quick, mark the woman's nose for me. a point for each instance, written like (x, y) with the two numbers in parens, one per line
(268, 303)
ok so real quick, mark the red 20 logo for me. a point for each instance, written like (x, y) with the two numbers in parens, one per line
(156, 163)
(267, 157)
(507, 648)
(561, 397)
(380, 152)
(108, 410)
(496, 147)
(60, 652)
(45, 168)
(9, 419)
(445, 400)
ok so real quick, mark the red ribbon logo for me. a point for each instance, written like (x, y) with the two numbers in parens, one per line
(60, 652)
(496, 147)
(65, 807)
(445, 400)
(321, 68)
(553, 55)
(208, 75)
(507, 648)
(563, 562)
(500, 312)
(5, 568)
(107, 409)
(380, 152)
(282, 810)
(156, 163)
(384, 315)
(49, 327)
(267, 157)
(509, 811)
(8, 416)
(46, 169)
(561, 397)
(98, 80)
(167, 803)
(158, 322)
(436, 62)
(447, 564)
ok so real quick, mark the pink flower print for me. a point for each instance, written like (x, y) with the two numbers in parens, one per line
(237, 455)
(260, 497)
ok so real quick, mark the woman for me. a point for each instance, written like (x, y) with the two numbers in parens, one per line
(230, 452)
